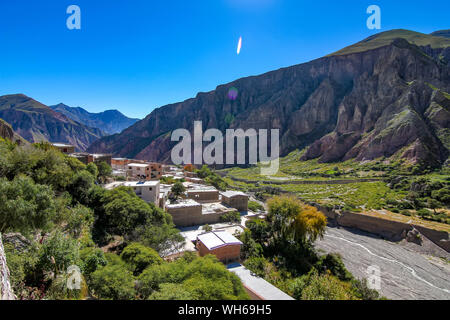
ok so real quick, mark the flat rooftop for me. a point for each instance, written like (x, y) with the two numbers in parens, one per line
(257, 285)
(230, 194)
(216, 239)
(215, 207)
(62, 145)
(183, 204)
(141, 183)
(138, 165)
(98, 155)
(191, 186)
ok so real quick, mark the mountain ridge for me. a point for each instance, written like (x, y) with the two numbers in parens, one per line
(109, 121)
(335, 106)
(37, 122)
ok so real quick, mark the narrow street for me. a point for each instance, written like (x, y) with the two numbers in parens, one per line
(405, 273)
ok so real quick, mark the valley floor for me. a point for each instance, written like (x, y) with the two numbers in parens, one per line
(406, 274)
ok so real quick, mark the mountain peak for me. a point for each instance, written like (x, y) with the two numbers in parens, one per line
(387, 37)
(441, 33)
(109, 121)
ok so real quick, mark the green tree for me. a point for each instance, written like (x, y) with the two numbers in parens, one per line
(260, 230)
(92, 169)
(177, 189)
(112, 282)
(104, 171)
(326, 287)
(139, 257)
(292, 220)
(24, 205)
(91, 260)
(433, 204)
(80, 186)
(57, 253)
(171, 291)
(250, 248)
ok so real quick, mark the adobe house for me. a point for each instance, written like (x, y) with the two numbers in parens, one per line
(86, 158)
(188, 212)
(222, 244)
(235, 199)
(64, 148)
(103, 157)
(203, 194)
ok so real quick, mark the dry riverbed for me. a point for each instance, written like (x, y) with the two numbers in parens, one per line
(406, 271)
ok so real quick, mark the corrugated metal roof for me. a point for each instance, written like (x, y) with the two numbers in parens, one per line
(215, 239)
(258, 285)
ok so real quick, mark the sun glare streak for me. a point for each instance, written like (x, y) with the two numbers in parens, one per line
(239, 45)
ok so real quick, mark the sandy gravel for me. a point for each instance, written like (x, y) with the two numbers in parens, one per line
(406, 273)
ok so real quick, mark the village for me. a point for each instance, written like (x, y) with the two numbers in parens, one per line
(210, 220)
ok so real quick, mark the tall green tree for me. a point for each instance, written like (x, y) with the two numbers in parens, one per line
(292, 220)
(24, 205)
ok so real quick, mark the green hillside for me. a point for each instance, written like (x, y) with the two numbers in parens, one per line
(385, 38)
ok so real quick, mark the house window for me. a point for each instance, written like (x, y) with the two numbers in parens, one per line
(150, 188)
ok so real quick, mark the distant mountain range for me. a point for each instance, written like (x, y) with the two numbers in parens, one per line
(37, 122)
(386, 96)
(109, 121)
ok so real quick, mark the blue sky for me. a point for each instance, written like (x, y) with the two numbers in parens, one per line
(137, 55)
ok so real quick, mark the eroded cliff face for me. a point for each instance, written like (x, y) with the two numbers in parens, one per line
(388, 101)
(7, 132)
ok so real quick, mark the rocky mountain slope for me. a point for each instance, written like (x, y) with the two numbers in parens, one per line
(386, 96)
(37, 122)
(109, 121)
(7, 132)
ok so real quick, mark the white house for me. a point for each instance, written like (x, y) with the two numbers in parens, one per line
(146, 190)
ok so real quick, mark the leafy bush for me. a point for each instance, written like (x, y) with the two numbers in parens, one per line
(139, 257)
(24, 205)
(199, 278)
(232, 217)
(255, 206)
(112, 282)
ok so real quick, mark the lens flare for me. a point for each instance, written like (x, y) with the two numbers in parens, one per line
(239, 45)
(232, 93)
